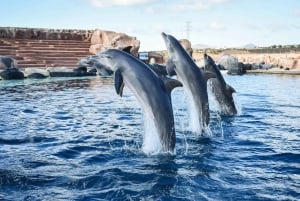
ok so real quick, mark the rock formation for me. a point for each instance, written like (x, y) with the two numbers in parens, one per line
(186, 44)
(10, 71)
(7, 62)
(67, 72)
(44, 34)
(231, 64)
(12, 74)
(101, 40)
(284, 60)
(36, 73)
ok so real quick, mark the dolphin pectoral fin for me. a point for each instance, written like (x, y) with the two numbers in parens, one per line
(207, 75)
(119, 84)
(170, 84)
(170, 68)
(230, 89)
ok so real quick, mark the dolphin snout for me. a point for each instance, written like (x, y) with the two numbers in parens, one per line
(163, 35)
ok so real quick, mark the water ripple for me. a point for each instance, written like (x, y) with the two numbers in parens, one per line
(75, 139)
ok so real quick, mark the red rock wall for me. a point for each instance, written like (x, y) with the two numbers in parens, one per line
(44, 34)
(102, 40)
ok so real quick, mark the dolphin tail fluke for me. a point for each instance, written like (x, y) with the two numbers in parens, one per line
(119, 84)
(170, 84)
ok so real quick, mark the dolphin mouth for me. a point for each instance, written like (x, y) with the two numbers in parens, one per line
(165, 36)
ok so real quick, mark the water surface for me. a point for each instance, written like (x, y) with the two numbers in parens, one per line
(75, 139)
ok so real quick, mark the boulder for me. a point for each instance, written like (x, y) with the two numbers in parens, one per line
(266, 66)
(242, 67)
(186, 44)
(231, 64)
(12, 74)
(102, 40)
(83, 71)
(36, 73)
(68, 72)
(247, 66)
(7, 62)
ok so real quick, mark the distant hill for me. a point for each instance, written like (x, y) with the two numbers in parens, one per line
(205, 46)
(202, 46)
(249, 46)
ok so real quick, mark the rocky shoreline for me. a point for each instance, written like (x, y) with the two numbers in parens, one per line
(32, 49)
(275, 71)
(288, 63)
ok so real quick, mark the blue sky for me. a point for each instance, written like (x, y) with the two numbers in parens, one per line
(219, 23)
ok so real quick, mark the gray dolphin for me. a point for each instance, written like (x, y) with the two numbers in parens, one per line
(194, 81)
(221, 90)
(92, 61)
(151, 91)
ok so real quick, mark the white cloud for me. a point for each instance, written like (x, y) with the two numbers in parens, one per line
(219, 1)
(109, 3)
(155, 9)
(216, 26)
(150, 10)
(297, 12)
(190, 5)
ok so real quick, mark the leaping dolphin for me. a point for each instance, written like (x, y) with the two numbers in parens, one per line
(151, 91)
(221, 90)
(92, 61)
(194, 81)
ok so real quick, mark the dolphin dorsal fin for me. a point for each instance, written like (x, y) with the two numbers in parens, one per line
(230, 89)
(207, 75)
(170, 84)
(170, 66)
(119, 84)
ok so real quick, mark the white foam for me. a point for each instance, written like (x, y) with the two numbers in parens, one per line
(151, 142)
(213, 103)
(238, 104)
(195, 125)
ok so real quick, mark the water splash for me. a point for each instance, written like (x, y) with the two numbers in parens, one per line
(151, 142)
(196, 123)
(238, 104)
(213, 103)
(215, 106)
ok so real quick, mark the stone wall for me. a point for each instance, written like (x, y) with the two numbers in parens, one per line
(99, 39)
(285, 60)
(44, 34)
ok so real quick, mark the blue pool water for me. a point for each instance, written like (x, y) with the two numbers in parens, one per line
(75, 139)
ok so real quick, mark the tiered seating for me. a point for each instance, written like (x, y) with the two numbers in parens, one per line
(44, 53)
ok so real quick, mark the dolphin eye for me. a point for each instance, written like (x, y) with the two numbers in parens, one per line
(105, 56)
